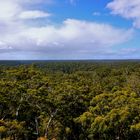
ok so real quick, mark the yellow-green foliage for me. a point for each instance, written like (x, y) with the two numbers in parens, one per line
(70, 101)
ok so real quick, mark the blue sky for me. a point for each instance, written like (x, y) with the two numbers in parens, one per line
(69, 29)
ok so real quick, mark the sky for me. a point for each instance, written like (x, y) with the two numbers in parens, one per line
(69, 29)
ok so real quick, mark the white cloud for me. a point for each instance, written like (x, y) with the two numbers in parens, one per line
(74, 38)
(34, 14)
(71, 39)
(76, 32)
(128, 9)
(11, 10)
(8, 10)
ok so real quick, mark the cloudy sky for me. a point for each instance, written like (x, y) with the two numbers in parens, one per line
(69, 29)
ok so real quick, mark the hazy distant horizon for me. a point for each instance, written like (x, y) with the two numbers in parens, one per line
(76, 60)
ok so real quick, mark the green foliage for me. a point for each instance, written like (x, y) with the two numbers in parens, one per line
(70, 101)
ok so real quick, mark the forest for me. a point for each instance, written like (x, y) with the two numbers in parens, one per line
(70, 100)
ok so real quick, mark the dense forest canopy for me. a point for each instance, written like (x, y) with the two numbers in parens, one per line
(70, 100)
